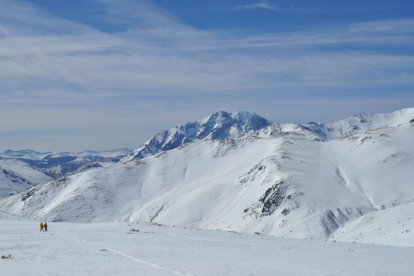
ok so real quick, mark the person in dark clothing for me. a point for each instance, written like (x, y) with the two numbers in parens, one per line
(45, 226)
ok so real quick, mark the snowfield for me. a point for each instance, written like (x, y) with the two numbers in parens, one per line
(146, 249)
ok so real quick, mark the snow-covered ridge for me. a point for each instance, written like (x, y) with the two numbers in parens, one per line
(34, 155)
(291, 180)
(220, 125)
(223, 125)
(362, 122)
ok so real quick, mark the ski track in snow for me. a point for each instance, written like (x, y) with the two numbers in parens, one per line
(140, 261)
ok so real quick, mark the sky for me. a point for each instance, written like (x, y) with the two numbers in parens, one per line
(104, 74)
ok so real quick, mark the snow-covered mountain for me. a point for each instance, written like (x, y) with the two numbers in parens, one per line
(57, 164)
(359, 123)
(223, 126)
(17, 176)
(292, 180)
(218, 126)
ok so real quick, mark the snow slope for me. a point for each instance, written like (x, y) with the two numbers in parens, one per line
(17, 176)
(114, 249)
(284, 180)
(362, 122)
(389, 226)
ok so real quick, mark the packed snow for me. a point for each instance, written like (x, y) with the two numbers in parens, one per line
(147, 249)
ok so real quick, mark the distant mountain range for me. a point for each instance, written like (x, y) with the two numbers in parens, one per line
(21, 170)
(241, 172)
(57, 164)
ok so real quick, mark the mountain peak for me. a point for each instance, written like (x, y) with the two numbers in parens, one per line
(239, 115)
(220, 125)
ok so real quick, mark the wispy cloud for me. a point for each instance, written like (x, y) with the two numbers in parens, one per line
(394, 26)
(264, 5)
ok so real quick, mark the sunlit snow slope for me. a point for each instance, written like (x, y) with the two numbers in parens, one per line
(302, 181)
(17, 176)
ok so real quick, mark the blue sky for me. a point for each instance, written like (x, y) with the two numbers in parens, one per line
(103, 74)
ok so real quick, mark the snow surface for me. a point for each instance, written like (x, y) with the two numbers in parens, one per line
(389, 226)
(114, 249)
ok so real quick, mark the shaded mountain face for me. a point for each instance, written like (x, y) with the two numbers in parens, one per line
(59, 164)
(292, 180)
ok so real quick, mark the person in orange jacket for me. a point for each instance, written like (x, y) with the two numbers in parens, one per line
(45, 226)
(42, 227)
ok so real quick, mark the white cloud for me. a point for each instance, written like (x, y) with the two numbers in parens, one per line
(18, 19)
(265, 5)
(395, 26)
(139, 14)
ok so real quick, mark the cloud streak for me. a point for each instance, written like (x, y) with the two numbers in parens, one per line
(262, 5)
